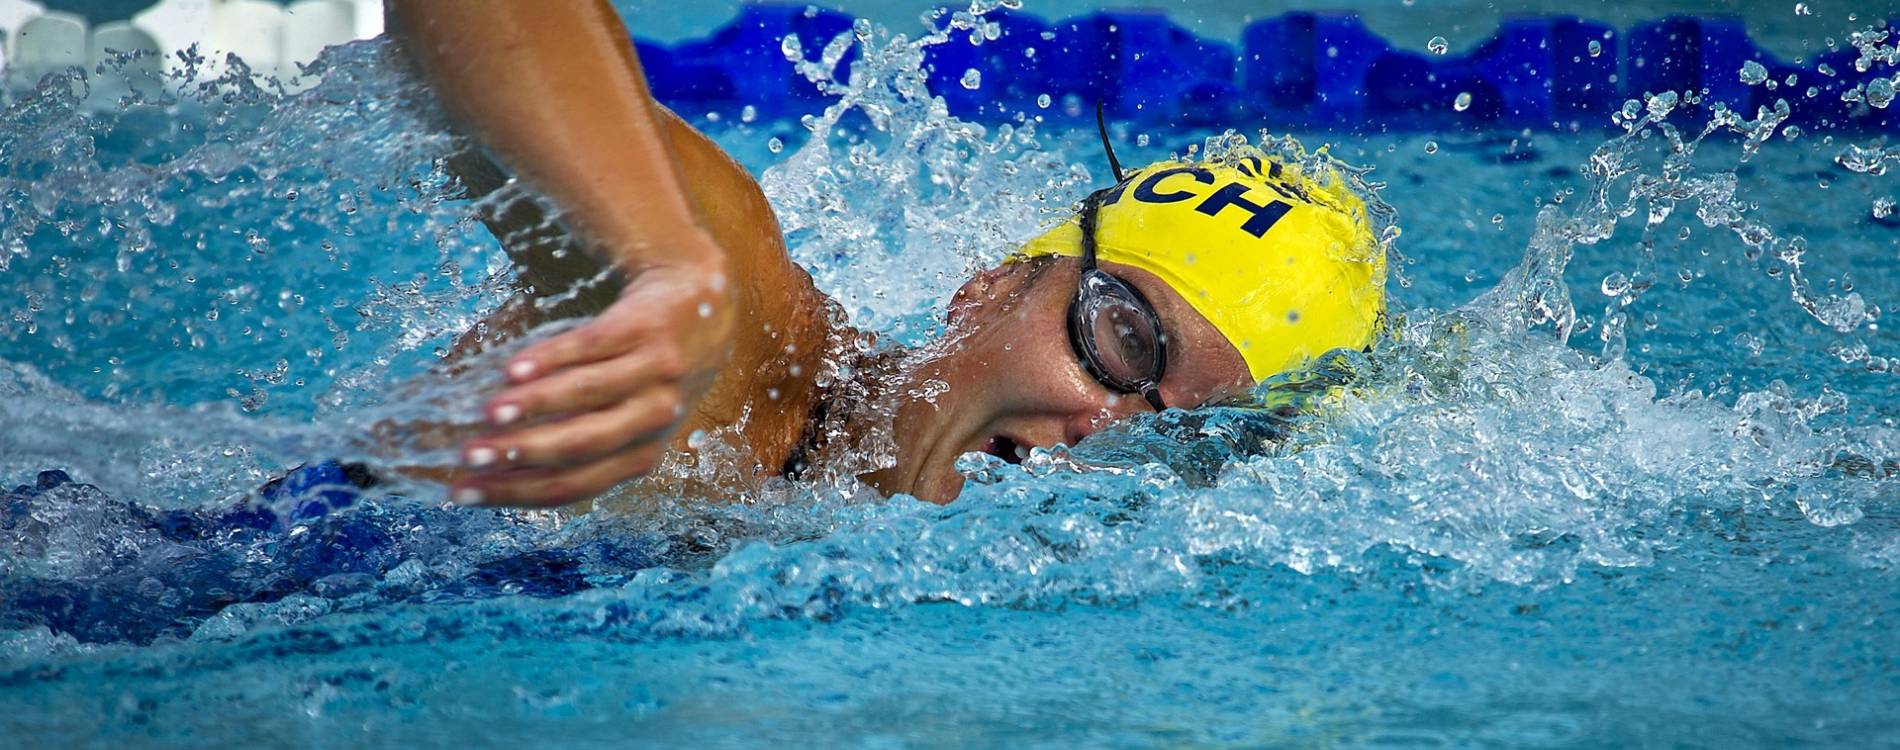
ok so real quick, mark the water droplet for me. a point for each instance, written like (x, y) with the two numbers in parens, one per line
(748, 114)
(1616, 284)
(1463, 102)
(1880, 93)
(1437, 45)
(705, 309)
(1753, 73)
(1042, 100)
(1431, 147)
(1596, 48)
(775, 145)
(1660, 105)
(971, 79)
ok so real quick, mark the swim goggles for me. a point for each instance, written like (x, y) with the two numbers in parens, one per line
(1112, 327)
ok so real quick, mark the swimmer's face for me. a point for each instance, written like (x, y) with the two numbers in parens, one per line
(1015, 383)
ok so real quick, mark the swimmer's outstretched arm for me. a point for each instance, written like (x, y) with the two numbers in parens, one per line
(556, 95)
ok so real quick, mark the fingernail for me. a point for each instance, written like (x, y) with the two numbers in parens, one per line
(478, 457)
(507, 414)
(466, 496)
(521, 370)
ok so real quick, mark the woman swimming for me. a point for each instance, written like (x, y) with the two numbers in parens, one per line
(1179, 284)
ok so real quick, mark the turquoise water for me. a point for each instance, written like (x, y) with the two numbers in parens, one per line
(1684, 533)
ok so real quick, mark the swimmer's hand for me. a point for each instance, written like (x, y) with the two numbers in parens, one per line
(596, 406)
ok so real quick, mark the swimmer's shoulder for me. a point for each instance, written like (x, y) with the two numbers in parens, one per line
(785, 325)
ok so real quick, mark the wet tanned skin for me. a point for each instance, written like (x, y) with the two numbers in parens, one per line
(1012, 373)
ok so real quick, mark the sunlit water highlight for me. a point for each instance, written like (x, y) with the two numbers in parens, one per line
(1625, 473)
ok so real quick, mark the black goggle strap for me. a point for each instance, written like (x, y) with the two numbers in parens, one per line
(1101, 127)
(1090, 207)
(1153, 393)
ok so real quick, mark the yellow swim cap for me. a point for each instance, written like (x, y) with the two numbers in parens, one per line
(1285, 266)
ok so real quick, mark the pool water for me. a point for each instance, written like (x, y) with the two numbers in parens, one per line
(1624, 476)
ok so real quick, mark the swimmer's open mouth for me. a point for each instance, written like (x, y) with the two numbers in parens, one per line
(1006, 448)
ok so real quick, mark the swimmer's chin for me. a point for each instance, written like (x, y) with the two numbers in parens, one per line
(938, 484)
(944, 491)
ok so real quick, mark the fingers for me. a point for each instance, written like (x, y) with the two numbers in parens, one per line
(580, 438)
(585, 387)
(598, 400)
(659, 300)
(545, 488)
(607, 336)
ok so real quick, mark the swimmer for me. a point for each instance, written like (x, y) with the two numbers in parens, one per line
(1178, 284)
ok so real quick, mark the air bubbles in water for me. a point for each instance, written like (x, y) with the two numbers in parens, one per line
(1883, 207)
(1801, 9)
(972, 79)
(1042, 101)
(1596, 48)
(1431, 147)
(775, 145)
(1463, 102)
(1437, 45)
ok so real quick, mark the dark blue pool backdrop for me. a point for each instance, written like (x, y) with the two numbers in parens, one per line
(1294, 71)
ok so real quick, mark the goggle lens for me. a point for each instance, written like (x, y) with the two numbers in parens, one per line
(1126, 343)
(1117, 336)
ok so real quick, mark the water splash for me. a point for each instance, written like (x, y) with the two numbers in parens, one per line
(1619, 186)
(914, 198)
(1469, 450)
(165, 257)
